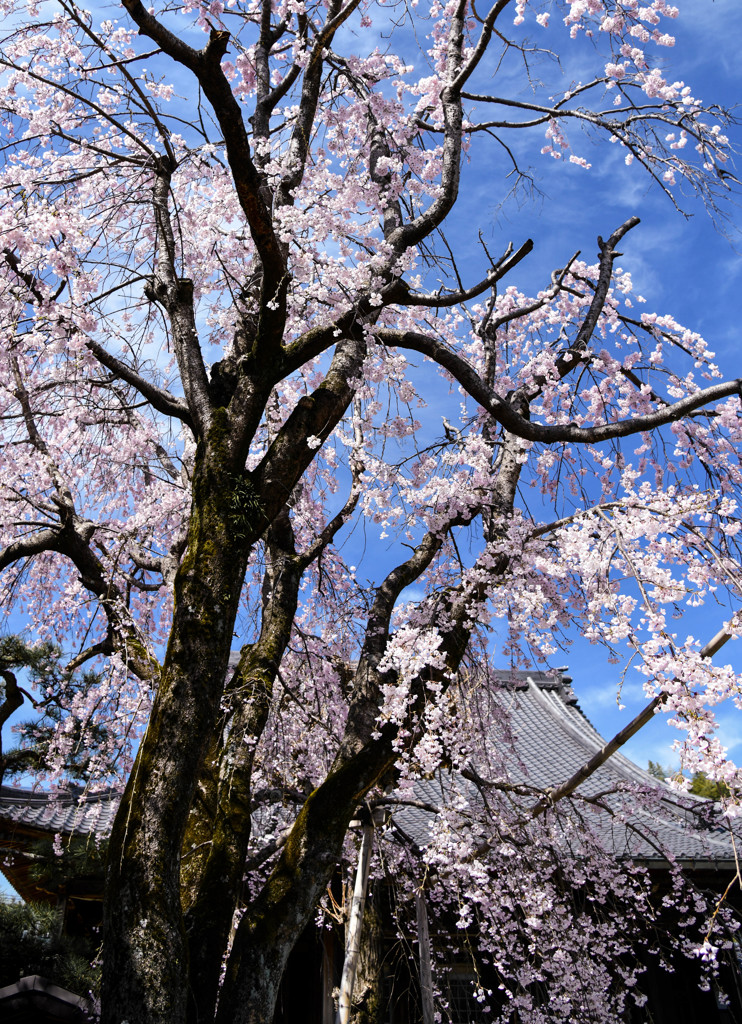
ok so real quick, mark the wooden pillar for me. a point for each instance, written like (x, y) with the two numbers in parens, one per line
(328, 972)
(426, 972)
(355, 924)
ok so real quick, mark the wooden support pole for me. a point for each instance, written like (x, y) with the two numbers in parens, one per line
(355, 924)
(426, 971)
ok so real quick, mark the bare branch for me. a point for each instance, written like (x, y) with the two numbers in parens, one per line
(175, 294)
(481, 46)
(159, 398)
(504, 413)
(401, 296)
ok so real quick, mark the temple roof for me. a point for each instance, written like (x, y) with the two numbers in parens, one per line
(546, 740)
(72, 811)
(28, 817)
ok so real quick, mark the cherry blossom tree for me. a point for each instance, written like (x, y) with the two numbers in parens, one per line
(228, 291)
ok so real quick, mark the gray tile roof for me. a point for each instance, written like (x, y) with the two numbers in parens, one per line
(69, 812)
(37, 998)
(548, 738)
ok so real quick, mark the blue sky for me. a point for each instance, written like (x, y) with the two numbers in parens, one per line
(682, 265)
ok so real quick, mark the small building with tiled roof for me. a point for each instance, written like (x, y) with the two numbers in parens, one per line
(28, 818)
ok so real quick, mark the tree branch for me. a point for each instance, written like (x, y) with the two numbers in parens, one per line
(206, 66)
(12, 700)
(398, 294)
(410, 234)
(159, 398)
(315, 415)
(479, 50)
(512, 421)
(175, 294)
(25, 547)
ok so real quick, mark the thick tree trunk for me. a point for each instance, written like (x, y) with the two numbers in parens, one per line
(218, 890)
(145, 967)
(272, 925)
(218, 886)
